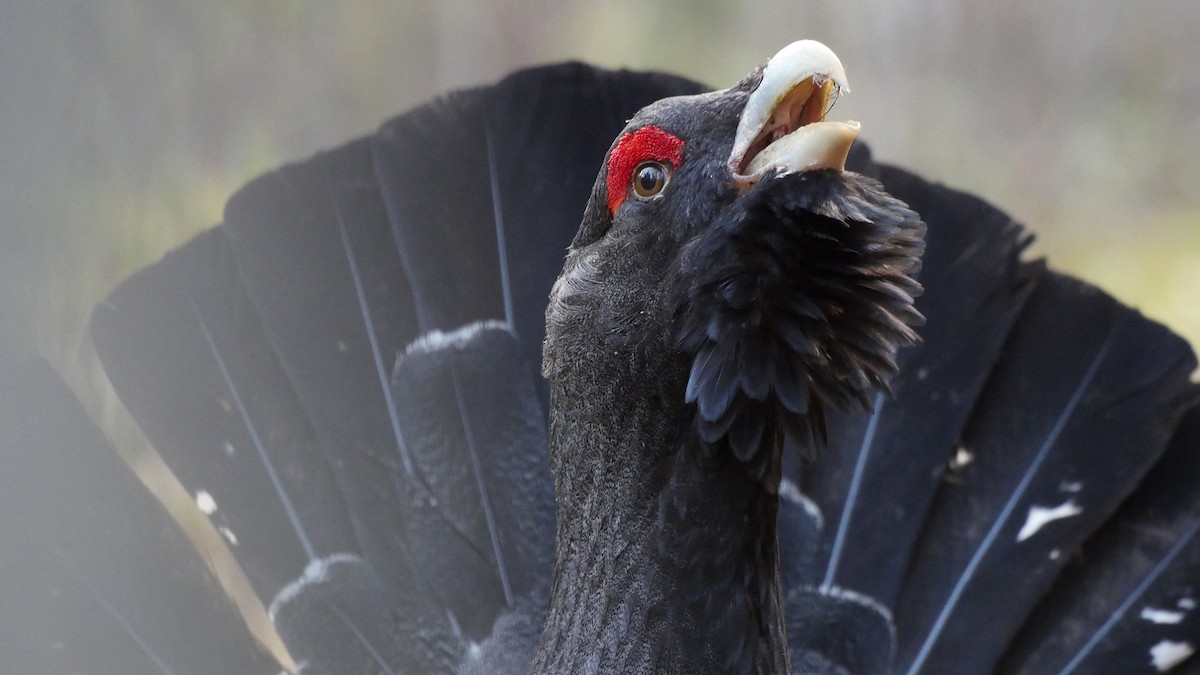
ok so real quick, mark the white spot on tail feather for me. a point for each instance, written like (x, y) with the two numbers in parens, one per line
(1156, 615)
(230, 451)
(1070, 486)
(848, 595)
(962, 459)
(436, 340)
(205, 502)
(791, 492)
(316, 572)
(1186, 603)
(1167, 654)
(1040, 515)
(228, 534)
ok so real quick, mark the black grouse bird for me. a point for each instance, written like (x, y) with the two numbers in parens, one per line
(800, 410)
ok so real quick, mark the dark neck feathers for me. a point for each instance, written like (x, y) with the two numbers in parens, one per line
(666, 559)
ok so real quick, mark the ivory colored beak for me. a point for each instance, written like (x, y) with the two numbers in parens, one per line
(786, 114)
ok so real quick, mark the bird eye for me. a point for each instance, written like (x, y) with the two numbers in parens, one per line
(649, 179)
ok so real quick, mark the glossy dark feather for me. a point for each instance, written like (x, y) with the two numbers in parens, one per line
(547, 130)
(471, 411)
(183, 345)
(789, 254)
(1126, 601)
(882, 468)
(1080, 406)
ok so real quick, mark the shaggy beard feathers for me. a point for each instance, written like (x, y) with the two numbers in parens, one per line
(798, 296)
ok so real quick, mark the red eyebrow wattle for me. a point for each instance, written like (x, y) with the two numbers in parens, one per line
(646, 144)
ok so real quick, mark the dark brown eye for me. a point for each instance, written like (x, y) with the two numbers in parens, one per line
(649, 179)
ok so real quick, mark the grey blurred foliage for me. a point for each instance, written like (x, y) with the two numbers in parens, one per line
(127, 124)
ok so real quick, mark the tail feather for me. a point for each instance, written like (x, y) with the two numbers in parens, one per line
(974, 288)
(338, 617)
(481, 450)
(1128, 601)
(1080, 406)
(338, 365)
(539, 137)
(184, 347)
(95, 576)
(275, 335)
(881, 468)
(310, 243)
(472, 568)
(1001, 338)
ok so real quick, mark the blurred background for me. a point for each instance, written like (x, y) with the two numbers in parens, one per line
(126, 125)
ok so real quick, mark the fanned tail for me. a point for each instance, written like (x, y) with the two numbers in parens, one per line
(389, 496)
(1033, 408)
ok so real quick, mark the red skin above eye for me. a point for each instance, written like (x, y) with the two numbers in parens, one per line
(646, 144)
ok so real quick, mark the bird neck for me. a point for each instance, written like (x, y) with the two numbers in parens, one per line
(666, 561)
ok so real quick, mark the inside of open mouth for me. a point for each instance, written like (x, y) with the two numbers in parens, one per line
(805, 103)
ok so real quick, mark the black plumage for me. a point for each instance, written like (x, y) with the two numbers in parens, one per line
(388, 485)
(772, 346)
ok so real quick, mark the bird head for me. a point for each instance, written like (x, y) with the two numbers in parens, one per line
(727, 259)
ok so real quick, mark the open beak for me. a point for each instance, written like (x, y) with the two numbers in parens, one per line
(782, 128)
